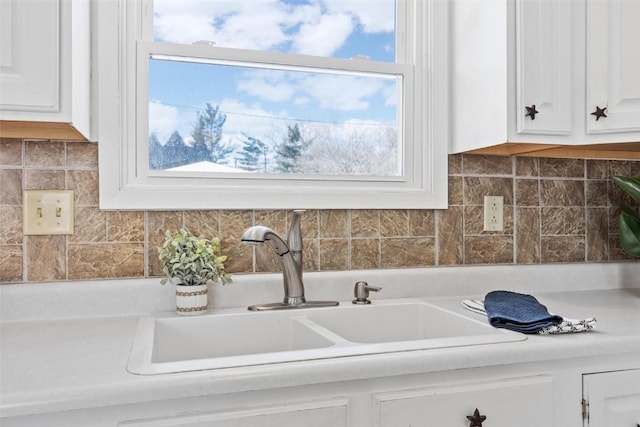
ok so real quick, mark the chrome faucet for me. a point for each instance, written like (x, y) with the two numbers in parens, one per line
(290, 254)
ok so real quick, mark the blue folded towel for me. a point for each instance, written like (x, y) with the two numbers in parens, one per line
(518, 312)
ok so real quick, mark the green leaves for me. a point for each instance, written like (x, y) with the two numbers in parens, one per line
(192, 260)
(629, 224)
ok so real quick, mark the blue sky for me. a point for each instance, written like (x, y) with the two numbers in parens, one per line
(265, 101)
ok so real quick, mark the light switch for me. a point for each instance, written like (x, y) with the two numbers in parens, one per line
(48, 212)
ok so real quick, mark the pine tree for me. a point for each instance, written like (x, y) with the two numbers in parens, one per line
(289, 150)
(208, 132)
(156, 158)
(253, 156)
(175, 151)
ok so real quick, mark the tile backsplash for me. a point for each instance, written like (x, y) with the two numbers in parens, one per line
(556, 210)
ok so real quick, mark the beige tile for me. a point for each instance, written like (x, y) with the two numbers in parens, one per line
(562, 221)
(527, 192)
(597, 234)
(528, 236)
(203, 223)
(46, 258)
(618, 197)
(11, 225)
(561, 193)
(310, 254)
(487, 165)
(422, 223)
(455, 164)
(44, 153)
(616, 253)
(232, 226)
(42, 179)
(394, 223)
(407, 252)
(159, 222)
(85, 185)
(106, 260)
(597, 169)
(334, 223)
(450, 236)
(365, 254)
(274, 219)
(239, 256)
(597, 193)
(267, 260)
(556, 249)
(488, 250)
(334, 254)
(308, 224)
(11, 263)
(82, 155)
(475, 188)
(90, 225)
(365, 223)
(10, 187)
(527, 166)
(624, 168)
(125, 226)
(455, 190)
(10, 152)
(562, 168)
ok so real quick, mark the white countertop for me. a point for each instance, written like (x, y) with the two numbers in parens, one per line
(58, 364)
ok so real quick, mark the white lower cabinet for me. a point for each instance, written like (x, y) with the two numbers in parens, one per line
(612, 399)
(522, 402)
(316, 414)
(527, 395)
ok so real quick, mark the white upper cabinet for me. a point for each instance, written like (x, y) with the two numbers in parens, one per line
(543, 67)
(533, 71)
(613, 66)
(45, 69)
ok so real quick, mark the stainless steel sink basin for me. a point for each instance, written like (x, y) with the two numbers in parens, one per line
(168, 344)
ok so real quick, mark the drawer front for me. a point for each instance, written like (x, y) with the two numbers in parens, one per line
(522, 402)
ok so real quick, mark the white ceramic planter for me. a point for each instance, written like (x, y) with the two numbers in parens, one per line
(191, 300)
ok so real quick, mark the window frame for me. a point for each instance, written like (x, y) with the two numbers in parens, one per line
(122, 103)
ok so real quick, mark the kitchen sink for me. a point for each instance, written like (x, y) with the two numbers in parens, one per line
(234, 338)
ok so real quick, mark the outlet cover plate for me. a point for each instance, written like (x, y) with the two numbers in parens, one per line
(493, 213)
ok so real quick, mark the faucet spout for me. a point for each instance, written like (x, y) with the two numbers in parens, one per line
(293, 286)
(290, 255)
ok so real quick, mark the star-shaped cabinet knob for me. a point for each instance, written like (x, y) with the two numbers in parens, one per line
(599, 113)
(531, 111)
(476, 419)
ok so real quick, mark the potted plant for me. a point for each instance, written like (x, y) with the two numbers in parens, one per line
(190, 263)
(629, 223)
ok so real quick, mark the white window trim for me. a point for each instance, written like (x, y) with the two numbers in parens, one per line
(118, 105)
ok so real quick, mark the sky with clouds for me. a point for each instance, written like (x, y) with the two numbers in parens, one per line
(262, 102)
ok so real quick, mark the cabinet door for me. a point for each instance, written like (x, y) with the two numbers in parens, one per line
(29, 55)
(313, 414)
(613, 399)
(613, 65)
(544, 67)
(523, 402)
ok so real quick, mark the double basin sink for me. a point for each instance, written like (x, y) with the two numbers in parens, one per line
(234, 338)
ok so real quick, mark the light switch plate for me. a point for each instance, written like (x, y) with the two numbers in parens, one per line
(48, 212)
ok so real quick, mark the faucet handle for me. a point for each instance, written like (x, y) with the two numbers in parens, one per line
(361, 292)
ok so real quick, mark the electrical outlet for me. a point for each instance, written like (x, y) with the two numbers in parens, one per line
(493, 213)
(48, 212)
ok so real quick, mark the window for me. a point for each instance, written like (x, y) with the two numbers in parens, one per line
(210, 104)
